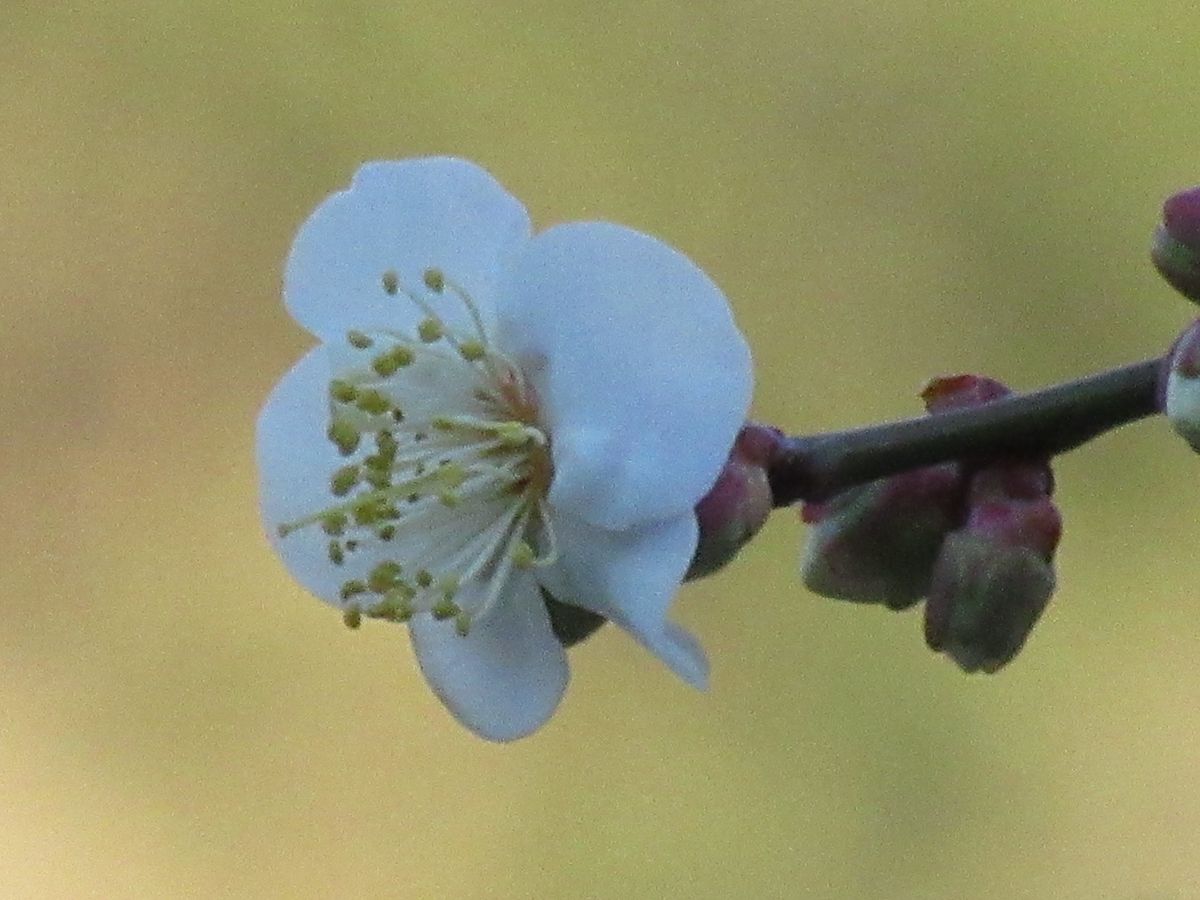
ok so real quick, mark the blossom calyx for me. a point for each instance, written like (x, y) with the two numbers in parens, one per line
(1176, 247)
(738, 503)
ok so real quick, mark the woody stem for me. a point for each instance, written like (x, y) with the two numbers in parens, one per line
(1038, 424)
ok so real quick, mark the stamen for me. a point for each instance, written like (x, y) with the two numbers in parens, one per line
(373, 402)
(333, 524)
(342, 391)
(344, 435)
(472, 350)
(435, 280)
(344, 480)
(352, 589)
(431, 330)
(389, 363)
(446, 491)
(472, 309)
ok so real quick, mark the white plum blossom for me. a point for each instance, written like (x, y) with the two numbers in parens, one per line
(490, 415)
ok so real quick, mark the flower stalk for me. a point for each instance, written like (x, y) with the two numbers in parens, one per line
(1038, 424)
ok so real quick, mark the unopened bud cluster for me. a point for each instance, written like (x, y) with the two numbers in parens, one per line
(975, 541)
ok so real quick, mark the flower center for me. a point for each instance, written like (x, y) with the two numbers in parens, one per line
(447, 466)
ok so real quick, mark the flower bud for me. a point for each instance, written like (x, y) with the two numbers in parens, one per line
(1182, 396)
(1176, 247)
(992, 581)
(877, 543)
(739, 502)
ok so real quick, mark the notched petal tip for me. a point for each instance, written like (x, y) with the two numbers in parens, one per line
(403, 218)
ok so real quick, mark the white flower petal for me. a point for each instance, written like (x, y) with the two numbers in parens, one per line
(631, 577)
(643, 375)
(507, 676)
(403, 217)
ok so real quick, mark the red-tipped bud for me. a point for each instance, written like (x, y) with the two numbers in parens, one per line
(1176, 247)
(951, 392)
(992, 581)
(1182, 395)
(738, 504)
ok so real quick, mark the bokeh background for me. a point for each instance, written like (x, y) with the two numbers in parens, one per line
(886, 190)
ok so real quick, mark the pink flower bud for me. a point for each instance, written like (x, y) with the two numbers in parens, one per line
(1176, 247)
(877, 543)
(738, 503)
(992, 581)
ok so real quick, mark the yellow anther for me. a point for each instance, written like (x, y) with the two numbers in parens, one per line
(352, 617)
(398, 357)
(359, 340)
(334, 523)
(352, 589)
(373, 402)
(424, 579)
(342, 391)
(435, 280)
(449, 499)
(387, 444)
(384, 577)
(384, 365)
(472, 351)
(430, 330)
(337, 555)
(391, 281)
(386, 533)
(344, 480)
(344, 435)
(445, 609)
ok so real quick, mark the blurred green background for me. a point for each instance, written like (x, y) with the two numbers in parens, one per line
(886, 192)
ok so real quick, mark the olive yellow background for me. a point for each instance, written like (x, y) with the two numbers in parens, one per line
(886, 191)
